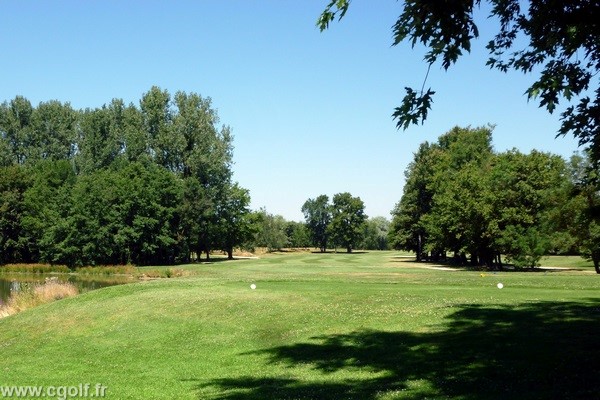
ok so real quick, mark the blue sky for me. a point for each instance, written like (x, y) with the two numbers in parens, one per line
(310, 111)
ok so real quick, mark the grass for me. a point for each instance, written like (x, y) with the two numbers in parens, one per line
(100, 270)
(318, 326)
(34, 268)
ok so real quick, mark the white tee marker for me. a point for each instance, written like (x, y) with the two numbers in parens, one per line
(253, 286)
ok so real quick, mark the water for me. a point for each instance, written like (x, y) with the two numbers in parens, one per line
(14, 282)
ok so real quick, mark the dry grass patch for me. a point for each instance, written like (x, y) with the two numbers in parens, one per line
(35, 268)
(36, 295)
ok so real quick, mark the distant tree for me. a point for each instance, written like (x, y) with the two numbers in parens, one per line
(347, 220)
(235, 223)
(560, 44)
(298, 234)
(317, 213)
(375, 235)
(270, 231)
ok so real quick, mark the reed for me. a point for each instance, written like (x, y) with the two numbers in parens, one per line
(37, 294)
(107, 270)
(35, 268)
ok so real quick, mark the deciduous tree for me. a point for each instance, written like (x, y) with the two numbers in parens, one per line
(555, 40)
(317, 213)
(347, 220)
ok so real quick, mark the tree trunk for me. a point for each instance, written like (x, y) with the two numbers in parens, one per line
(596, 260)
(230, 253)
(349, 249)
(474, 260)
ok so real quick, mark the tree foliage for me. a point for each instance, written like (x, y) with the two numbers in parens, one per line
(583, 221)
(270, 231)
(118, 184)
(317, 213)
(375, 234)
(347, 220)
(462, 197)
(555, 40)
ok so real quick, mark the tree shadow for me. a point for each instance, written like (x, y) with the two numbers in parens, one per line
(341, 252)
(533, 351)
(506, 267)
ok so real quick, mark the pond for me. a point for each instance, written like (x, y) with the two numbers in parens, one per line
(14, 282)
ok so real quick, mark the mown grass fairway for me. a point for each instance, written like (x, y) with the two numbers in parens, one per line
(331, 326)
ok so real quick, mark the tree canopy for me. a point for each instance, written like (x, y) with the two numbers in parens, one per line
(118, 184)
(347, 220)
(556, 40)
(462, 197)
(317, 213)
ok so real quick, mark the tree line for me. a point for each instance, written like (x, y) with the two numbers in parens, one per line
(140, 184)
(462, 197)
(274, 232)
(343, 223)
(145, 184)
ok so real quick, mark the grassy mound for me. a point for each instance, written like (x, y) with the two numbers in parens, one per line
(318, 326)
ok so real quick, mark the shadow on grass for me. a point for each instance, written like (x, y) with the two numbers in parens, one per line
(533, 351)
(480, 268)
(342, 252)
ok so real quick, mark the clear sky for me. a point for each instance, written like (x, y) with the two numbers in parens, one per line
(310, 111)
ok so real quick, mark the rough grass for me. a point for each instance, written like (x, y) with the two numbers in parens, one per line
(318, 326)
(107, 270)
(34, 268)
(36, 295)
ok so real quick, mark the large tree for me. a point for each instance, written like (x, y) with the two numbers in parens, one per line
(457, 217)
(462, 197)
(407, 229)
(347, 220)
(555, 39)
(317, 213)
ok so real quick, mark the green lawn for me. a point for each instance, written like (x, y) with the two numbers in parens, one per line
(331, 326)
